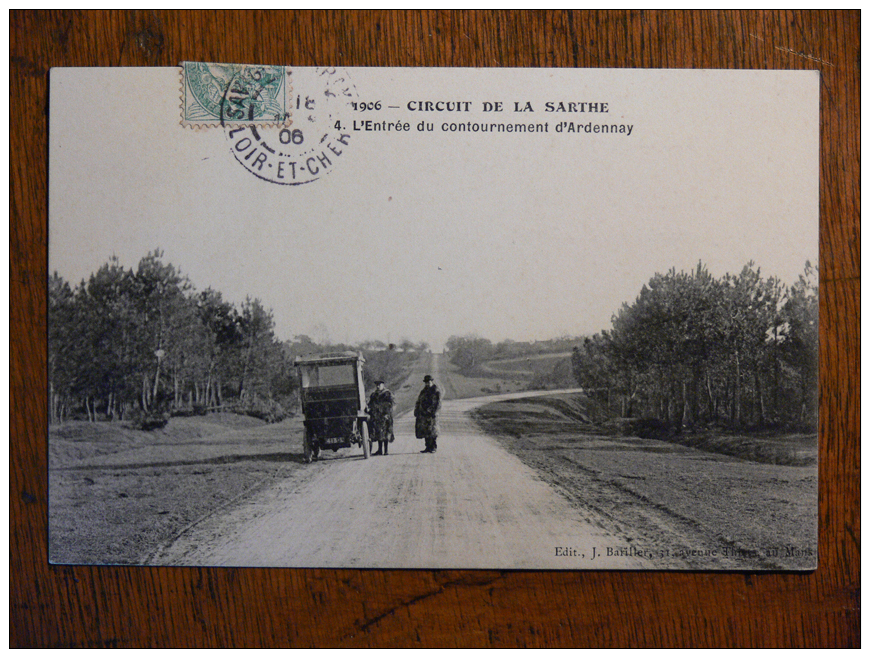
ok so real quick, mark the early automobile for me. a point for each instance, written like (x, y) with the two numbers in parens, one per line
(333, 402)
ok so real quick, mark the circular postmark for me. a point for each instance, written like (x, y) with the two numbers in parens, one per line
(307, 145)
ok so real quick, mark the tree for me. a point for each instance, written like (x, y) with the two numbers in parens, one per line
(107, 319)
(468, 351)
(220, 321)
(593, 369)
(801, 340)
(259, 352)
(406, 345)
(664, 340)
(63, 340)
(751, 323)
(159, 293)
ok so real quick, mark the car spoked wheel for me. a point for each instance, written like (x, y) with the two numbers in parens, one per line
(307, 450)
(366, 442)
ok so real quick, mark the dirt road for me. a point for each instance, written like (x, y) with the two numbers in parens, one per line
(470, 505)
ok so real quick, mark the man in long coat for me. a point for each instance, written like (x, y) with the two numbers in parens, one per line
(381, 417)
(427, 407)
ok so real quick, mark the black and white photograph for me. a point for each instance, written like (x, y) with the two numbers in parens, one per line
(459, 318)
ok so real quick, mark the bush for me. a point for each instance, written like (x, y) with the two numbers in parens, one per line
(197, 410)
(268, 410)
(150, 421)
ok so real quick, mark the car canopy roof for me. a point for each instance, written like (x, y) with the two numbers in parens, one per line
(330, 358)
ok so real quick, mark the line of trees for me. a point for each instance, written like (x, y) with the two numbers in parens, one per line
(742, 349)
(128, 342)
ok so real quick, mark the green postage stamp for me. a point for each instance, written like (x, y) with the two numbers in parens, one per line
(221, 93)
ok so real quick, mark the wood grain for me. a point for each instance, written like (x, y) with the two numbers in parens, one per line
(120, 606)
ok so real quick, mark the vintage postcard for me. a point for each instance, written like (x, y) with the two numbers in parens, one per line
(491, 318)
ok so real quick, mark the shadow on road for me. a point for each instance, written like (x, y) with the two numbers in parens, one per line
(221, 459)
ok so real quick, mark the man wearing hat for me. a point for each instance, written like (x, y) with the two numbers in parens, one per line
(427, 407)
(381, 417)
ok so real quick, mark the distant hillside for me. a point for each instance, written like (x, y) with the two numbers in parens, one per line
(540, 364)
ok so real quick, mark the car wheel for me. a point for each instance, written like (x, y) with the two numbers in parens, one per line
(366, 443)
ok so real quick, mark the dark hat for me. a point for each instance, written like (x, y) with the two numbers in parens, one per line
(379, 381)
(428, 377)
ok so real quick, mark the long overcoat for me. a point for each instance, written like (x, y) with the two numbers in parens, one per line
(428, 404)
(381, 416)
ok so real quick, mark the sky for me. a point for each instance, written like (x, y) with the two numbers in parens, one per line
(427, 235)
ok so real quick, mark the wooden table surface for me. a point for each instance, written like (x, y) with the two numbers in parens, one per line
(123, 606)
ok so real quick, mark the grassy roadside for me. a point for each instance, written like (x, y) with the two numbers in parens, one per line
(701, 493)
(574, 413)
(116, 494)
(788, 447)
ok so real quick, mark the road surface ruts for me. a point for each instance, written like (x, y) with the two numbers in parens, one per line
(470, 505)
